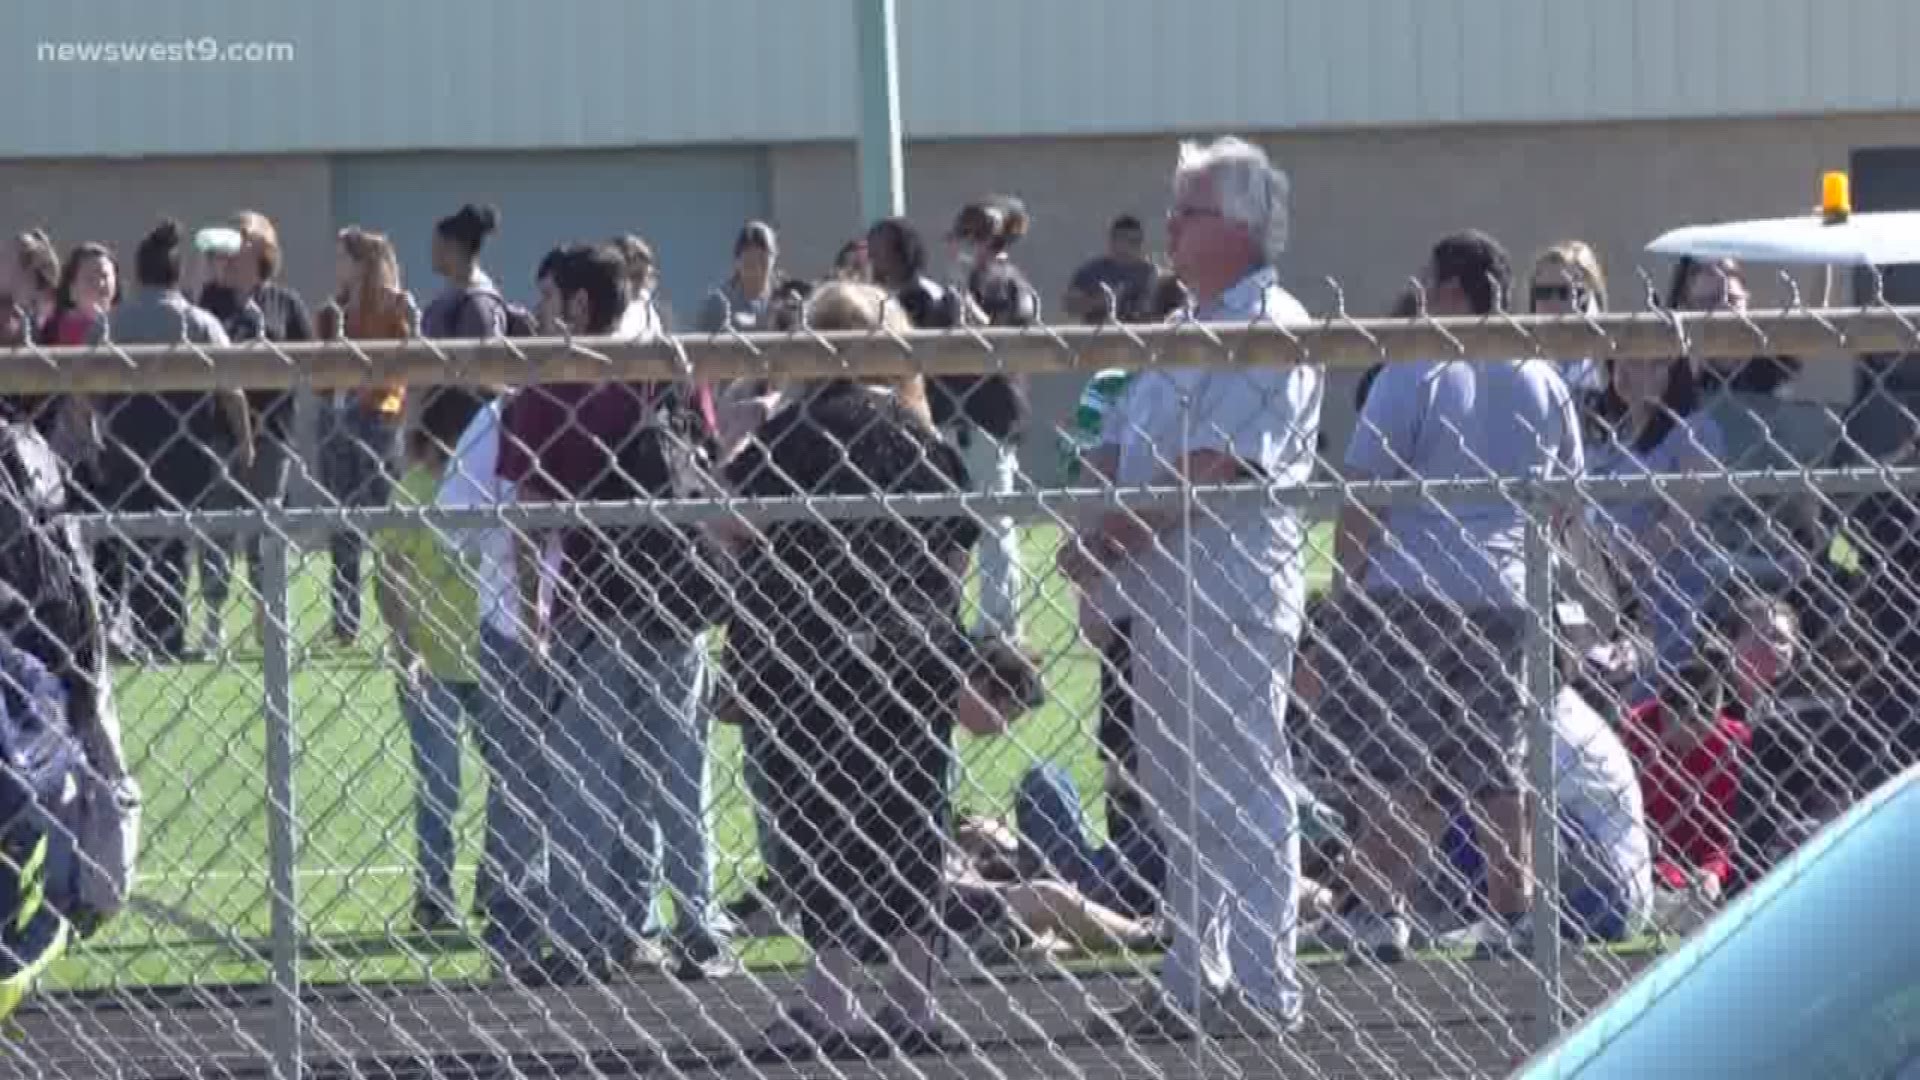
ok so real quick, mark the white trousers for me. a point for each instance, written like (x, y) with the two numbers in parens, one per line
(1215, 763)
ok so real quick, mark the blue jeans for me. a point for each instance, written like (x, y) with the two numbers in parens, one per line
(628, 754)
(511, 720)
(435, 713)
(358, 460)
(1593, 907)
(1124, 877)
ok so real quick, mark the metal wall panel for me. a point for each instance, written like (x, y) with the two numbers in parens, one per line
(507, 74)
(687, 203)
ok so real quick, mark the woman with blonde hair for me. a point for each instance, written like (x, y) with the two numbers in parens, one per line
(356, 461)
(1569, 280)
(849, 669)
(31, 282)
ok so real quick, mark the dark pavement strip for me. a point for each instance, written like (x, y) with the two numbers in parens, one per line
(1416, 1020)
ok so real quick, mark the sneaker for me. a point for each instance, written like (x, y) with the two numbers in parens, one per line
(213, 639)
(707, 959)
(1385, 939)
(639, 958)
(1151, 1017)
(1496, 937)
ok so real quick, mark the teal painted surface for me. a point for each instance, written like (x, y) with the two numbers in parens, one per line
(882, 168)
(369, 75)
(688, 204)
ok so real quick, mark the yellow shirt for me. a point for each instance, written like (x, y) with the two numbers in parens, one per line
(441, 597)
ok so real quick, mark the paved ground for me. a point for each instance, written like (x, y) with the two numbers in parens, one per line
(1442, 1020)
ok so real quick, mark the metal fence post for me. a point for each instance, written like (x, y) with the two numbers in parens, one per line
(282, 838)
(1542, 667)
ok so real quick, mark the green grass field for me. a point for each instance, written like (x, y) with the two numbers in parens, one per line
(196, 737)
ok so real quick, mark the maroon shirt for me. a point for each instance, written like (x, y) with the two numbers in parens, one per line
(559, 443)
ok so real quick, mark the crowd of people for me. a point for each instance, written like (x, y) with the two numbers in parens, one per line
(1347, 771)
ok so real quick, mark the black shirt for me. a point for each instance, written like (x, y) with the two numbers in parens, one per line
(997, 404)
(275, 313)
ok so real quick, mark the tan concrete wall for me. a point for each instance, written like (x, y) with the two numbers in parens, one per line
(117, 202)
(1366, 205)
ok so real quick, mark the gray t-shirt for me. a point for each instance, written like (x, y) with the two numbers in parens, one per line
(749, 314)
(1456, 420)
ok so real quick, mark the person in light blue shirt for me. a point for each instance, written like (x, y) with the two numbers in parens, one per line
(1431, 603)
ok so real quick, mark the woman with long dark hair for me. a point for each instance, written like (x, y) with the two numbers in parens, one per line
(1764, 541)
(1648, 422)
(742, 302)
(89, 287)
(986, 421)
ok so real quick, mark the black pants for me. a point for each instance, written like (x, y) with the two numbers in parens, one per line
(263, 485)
(149, 575)
(1127, 812)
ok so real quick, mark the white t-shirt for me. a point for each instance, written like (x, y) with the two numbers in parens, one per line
(472, 480)
(1248, 558)
(1457, 420)
(1599, 795)
(639, 322)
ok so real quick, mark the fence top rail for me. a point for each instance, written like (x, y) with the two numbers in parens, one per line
(1337, 342)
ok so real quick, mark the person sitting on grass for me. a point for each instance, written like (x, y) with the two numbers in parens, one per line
(1690, 751)
(1092, 898)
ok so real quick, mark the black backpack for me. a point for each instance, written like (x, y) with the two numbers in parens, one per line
(48, 611)
(666, 578)
(520, 322)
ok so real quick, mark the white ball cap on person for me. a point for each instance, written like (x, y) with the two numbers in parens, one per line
(218, 240)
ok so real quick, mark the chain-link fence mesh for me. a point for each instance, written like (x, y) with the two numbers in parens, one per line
(703, 705)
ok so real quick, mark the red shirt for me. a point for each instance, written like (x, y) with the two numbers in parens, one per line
(1689, 793)
(74, 327)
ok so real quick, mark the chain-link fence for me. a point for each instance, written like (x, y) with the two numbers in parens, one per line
(604, 726)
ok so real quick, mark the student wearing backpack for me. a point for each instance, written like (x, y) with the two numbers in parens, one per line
(37, 807)
(626, 644)
(50, 613)
(471, 305)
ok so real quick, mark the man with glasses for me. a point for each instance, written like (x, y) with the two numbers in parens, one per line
(1217, 610)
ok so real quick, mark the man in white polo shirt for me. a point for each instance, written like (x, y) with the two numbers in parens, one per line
(1211, 665)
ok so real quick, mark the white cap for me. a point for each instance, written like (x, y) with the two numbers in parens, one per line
(219, 240)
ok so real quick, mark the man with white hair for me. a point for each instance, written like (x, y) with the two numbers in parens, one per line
(1217, 607)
